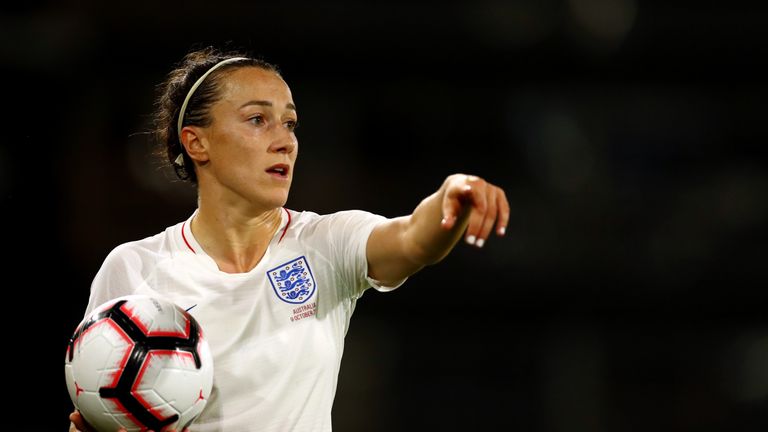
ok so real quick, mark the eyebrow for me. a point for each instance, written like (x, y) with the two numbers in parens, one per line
(289, 105)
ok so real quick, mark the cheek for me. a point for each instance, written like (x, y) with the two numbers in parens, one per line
(232, 146)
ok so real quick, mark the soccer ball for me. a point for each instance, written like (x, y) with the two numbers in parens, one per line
(139, 362)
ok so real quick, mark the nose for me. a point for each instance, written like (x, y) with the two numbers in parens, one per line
(285, 142)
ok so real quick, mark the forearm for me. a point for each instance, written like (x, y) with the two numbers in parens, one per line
(464, 205)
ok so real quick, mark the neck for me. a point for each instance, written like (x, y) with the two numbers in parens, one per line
(235, 239)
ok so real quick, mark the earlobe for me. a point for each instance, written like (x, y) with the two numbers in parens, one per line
(194, 144)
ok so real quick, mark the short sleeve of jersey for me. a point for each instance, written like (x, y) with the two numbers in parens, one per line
(349, 232)
(118, 276)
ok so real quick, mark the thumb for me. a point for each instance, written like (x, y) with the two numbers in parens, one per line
(452, 204)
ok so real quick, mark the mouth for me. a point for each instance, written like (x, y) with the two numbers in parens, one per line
(280, 171)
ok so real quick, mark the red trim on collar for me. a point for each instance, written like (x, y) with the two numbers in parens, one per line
(185, 237)
(286, 225)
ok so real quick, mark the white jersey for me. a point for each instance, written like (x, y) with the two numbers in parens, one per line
(277, 331)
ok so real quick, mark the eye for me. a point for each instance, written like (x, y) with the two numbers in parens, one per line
(291, 125)
(257, 120)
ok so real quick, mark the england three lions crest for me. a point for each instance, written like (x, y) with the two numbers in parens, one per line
(293, 281)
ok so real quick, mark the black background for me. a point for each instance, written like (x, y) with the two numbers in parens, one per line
(629, 293)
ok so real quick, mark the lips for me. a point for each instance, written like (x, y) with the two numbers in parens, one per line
(279, 170)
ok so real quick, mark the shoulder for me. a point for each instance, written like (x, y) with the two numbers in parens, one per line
(142, 251)
(309, 222)
(301, 218)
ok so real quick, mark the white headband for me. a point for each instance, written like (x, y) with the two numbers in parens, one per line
(192, 91)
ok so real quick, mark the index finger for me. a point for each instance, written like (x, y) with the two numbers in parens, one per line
(502, 206)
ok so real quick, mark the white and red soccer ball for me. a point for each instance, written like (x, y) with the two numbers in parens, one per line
(140, 363)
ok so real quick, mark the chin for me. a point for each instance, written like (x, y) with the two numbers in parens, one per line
(277, 200)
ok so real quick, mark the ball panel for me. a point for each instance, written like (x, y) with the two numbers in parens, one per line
(155, 404)
(157, 317)
(72, 386)
(206, 369)
(129, 423)
(121, 415)
(103, 348)
(192, 413)
(103, 414)
(172, 376)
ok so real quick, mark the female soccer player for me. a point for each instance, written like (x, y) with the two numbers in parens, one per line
(273, 288)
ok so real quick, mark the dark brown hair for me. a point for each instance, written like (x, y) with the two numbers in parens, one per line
(173, 91)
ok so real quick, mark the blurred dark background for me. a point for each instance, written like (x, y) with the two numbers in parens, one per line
(630, 291)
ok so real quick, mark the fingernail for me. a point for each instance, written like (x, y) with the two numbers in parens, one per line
(502, 230)
(471, 239)
(444, 221)
(480, 243)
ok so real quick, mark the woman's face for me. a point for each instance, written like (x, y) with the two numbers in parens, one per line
(251, 146)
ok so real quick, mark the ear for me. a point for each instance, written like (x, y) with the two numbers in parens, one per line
(194, 142)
